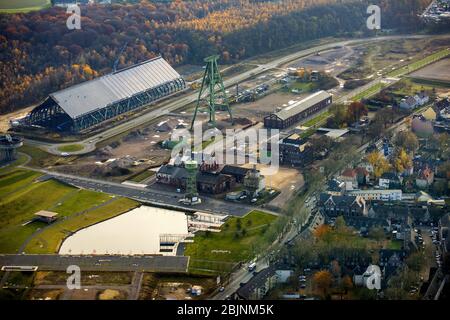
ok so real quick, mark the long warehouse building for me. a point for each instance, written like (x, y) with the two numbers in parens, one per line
(90, 103)
(298, 111)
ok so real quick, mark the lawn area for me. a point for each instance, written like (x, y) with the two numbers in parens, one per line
(302, 86)
(19, 207)
(240, 240)
(408, 87)
(49, 240)
(16, 6)
(401, 72)
(21, 197)
(15, 180)
(40, 158)
(79, 201)
(71, 148)
(314, 121)
(395, 245)
(307, 133)
(21, 159)
(369, 92)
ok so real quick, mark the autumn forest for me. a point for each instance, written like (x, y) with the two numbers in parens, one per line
(38, 54)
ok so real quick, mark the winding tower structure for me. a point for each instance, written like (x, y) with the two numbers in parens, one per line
(212, 84)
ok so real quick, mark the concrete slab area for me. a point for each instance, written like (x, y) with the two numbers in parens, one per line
(54, 262)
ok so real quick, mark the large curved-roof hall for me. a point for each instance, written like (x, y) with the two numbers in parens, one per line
(90, 103)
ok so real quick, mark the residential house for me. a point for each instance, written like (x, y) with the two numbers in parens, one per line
(442, 104)
(422, 98)
(425, 178)
(264, 281)
(397, 214)
(366, 165)
(409, 103)
(390, 180)
(349, 177)
(388, 148)
(334, 206)
(365, 224)
(362, 176)
(390, 262)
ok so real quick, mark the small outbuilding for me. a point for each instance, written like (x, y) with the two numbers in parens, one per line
(45, 216)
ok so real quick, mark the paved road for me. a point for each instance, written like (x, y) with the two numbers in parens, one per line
(135, 286)
(99, 262)
(153, 196)
(180, 102)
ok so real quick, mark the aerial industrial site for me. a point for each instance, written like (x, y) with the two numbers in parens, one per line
(149, 164)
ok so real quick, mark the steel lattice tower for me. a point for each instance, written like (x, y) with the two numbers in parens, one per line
(213, 84)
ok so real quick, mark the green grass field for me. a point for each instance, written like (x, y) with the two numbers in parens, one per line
(40, 158)
(49, 240)
(369, 92)
(21, 160)
(238, 241)
(19, 207)
(18, 6)
(21, 196)
(71, 148)
(408, 87)
(15, 180)
(320, 118)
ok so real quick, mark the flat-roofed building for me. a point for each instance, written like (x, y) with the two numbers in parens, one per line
(294, 151)
(378, 194)
(46, 216)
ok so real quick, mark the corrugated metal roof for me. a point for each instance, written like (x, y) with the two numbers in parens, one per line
(98, 93)
(302, 105)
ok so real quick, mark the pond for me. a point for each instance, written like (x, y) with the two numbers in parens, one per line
(134, 232)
